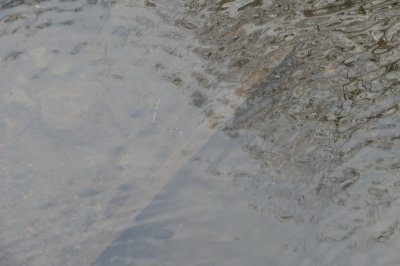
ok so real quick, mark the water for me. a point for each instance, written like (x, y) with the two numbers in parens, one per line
(199, 132)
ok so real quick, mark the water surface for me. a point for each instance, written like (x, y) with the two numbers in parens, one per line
(199, 132)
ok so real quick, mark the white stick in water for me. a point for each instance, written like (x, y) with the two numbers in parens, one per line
(155, 110)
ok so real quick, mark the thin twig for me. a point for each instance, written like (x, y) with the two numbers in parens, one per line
(155, 110)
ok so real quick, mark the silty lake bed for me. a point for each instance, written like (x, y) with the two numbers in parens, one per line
(232, 132)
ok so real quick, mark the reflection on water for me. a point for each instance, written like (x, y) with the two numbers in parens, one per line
(324, 123)
(99, 94)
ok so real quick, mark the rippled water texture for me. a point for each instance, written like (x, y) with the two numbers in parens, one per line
(202, 132)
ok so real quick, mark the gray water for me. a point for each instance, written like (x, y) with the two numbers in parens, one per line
(234, 132)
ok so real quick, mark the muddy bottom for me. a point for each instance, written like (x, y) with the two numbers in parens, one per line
(231, 132)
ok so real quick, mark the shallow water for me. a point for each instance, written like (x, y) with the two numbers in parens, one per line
(199, 132)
